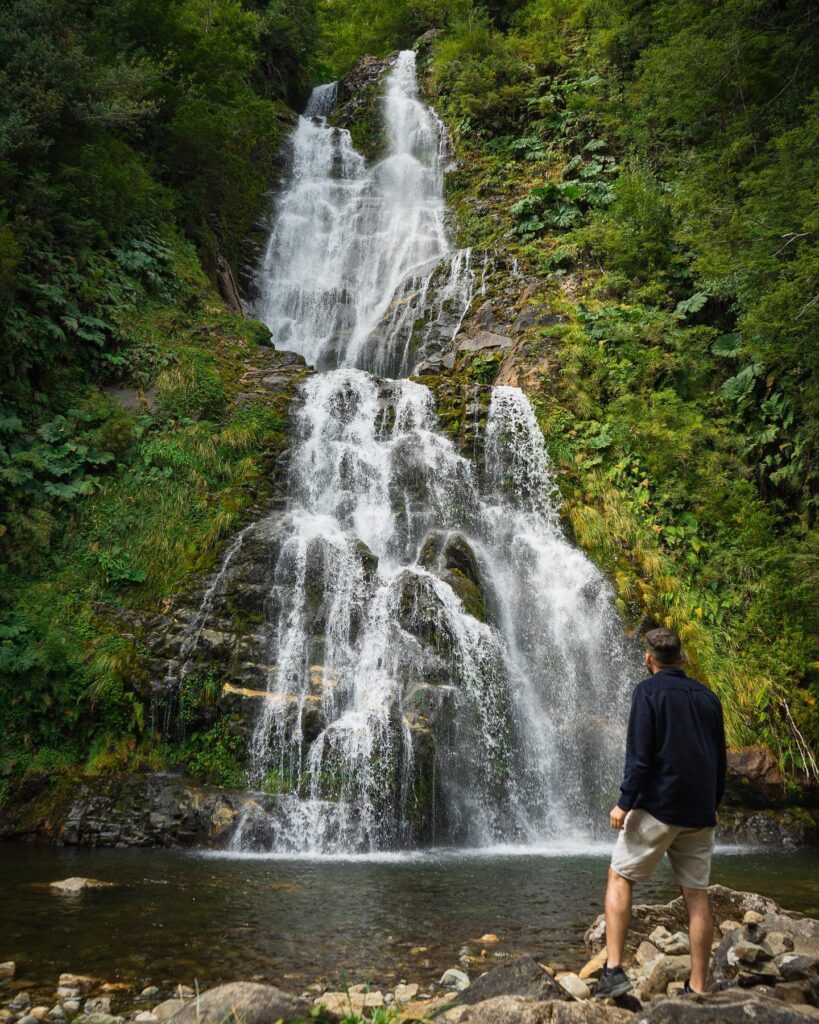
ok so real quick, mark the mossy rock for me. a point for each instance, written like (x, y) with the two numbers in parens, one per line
(451, 558)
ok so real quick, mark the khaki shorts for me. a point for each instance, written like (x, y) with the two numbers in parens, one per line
(644, 840)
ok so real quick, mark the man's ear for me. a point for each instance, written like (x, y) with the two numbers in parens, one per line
(648, 662)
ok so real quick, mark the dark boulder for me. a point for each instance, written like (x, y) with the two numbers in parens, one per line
(522, 976)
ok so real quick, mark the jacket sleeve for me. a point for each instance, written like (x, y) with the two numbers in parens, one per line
(722, 756)
(639, 749)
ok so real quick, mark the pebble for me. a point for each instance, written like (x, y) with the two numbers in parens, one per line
(21, 1001)
(149, 992)
(403, 993)
(7, 970)
(753, 917)
(455, 979)
(28, 1019)
(594, 968)
(39, 1012)
(71, 985)
(57, 1012)
(102, 1004)
(729, 926)
(749, 952)
(146, 1017)
(574, 985)
(72, 1005)
(646, 952)
(167, 1008)
(488, 939)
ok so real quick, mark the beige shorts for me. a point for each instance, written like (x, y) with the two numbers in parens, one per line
(644, 840)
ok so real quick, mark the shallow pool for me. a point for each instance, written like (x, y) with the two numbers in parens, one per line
(179, 917)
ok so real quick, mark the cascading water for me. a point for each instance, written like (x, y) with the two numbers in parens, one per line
(358, 270)
(443, 666)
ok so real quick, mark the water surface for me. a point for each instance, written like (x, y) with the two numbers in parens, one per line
(179, 917)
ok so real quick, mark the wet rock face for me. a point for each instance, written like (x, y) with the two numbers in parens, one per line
(756, 780)
(450, 556)
(783, 828)
(162, 809)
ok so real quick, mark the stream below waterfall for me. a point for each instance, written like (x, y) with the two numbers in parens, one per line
(298, 921)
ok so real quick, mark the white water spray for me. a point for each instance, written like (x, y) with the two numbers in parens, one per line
(444, 667)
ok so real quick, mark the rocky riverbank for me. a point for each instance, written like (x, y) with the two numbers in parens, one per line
(172, 809)
(765, 969)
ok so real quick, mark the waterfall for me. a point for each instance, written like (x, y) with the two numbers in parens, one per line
(358, 270)
(443, 665)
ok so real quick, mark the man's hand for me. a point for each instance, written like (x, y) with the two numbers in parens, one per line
(617, 817)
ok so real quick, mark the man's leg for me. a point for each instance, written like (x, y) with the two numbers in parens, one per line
(701, 934)
(618, 916)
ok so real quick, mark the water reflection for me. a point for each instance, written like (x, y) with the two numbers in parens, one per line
(177, 917)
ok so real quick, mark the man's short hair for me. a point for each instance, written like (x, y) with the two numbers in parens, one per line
(664, 646)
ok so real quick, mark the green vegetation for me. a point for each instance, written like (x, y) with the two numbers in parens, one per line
(652, 168)
(138, 141)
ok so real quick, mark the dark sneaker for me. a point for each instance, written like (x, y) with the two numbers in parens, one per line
(613, 983)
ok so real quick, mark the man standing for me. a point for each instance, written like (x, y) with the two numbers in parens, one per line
(673, 783)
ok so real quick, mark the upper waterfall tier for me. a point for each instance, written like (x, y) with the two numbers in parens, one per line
(358, 256)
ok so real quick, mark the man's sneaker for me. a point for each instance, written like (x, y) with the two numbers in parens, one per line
(613, 983)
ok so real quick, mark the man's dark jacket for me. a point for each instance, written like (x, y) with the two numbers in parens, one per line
(675, 751)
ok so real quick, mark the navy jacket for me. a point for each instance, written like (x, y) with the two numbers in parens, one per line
(675, 751)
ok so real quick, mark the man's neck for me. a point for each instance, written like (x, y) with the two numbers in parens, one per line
(655, 668)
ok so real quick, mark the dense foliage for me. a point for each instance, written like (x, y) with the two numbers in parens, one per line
(130, 131)
(655, 166)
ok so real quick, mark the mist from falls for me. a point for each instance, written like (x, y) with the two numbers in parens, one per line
(445, 667)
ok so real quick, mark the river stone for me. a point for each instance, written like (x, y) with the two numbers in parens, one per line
(734, 1006)
(748, 952)
(245, 1002)
(403, 993)
(72, 985)
(662, 971)
(646, 952)
(676, 944)
(594, 968)
(519, 1010)
(521, 976)
(21, 1001)
(149, 992)
(574, 986)
(167, 1009)
(102, 1004)
(77, 884)
(7, 970)
(795, 966)
(39, 1012)
(453, 978)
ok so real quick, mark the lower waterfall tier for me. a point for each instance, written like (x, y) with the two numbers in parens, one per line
(413, 650)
